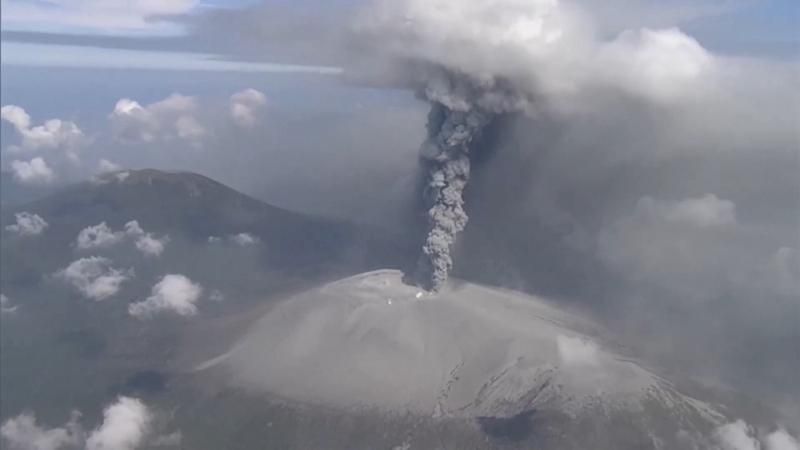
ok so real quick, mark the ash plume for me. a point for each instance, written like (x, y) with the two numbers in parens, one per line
(473, 59)
(446, 155)
(459, 113)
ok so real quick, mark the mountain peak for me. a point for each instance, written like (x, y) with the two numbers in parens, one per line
(191, 182)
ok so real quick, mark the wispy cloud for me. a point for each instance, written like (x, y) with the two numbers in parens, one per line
(68, 56)
(109, 17)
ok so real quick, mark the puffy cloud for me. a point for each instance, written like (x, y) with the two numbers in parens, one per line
(28, 224)
(245, 239)
(654, 63)
(35, 171)
(5, 305)
(171, 118)
(736, 436)
(540, 48)
(125, 426)
(245, 107)
(104, 166)
(780, 440)
(23, 433)
(102, 236)
(739, 435)
(98, 236)
(16, 116)
(174, 293)
(133, 228)
(94, 277)
(52, 134)
(189, 128)
(150, 245)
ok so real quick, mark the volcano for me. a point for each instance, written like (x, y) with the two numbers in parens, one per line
(469, 354)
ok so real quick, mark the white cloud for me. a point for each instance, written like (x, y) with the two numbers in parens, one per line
(5, 305)
(23, 433)
(659, 64)
(94, 277)
(133, 228)
(125, 426)
(174, 293)
(52, 134)
(102, 236)
(536, 46)
(35, 171)
(240, 239)
(781, 440)
(98, 236)
(739, 435)
(245, 239)
(168, 119)
(150, 245)
(28, 224)
(245, 107)
(189, 128)
(134, 17)
(736, 436)
(576, 351)
(104, 166)
(703, 212)
(17, 116)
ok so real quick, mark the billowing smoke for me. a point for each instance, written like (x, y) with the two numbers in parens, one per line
(460, 110)
(446, 155)
(472, 60)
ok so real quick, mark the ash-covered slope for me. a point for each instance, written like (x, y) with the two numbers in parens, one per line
(370, 342)
(62, 344)
(190, 209)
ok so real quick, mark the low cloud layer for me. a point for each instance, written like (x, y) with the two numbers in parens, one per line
(175, 294)
(741, 436)
(98, 236)
(127, 424)
(175, 117)
(28, 224)
(95, 277)
(53, 134)
(36, 171)
(150, 245)
(24, 433)
(102, 236)
(245, 106)
(240, 239)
